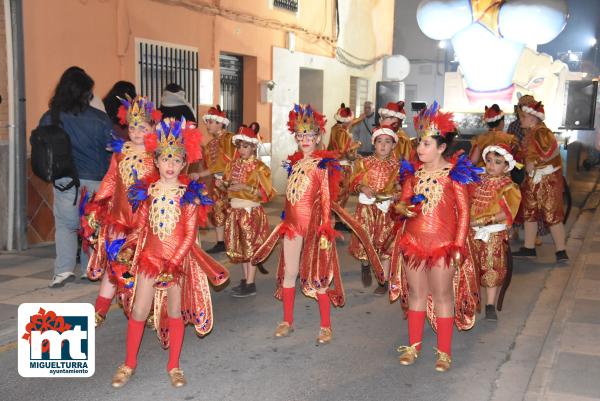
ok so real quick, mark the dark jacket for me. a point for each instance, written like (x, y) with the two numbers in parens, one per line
(89, 132)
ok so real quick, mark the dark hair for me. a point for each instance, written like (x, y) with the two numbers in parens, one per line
(112, 104)
(173, 87)
(447, 140)
(72, 94)
(496, 123)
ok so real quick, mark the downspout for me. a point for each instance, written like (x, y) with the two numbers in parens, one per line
(18, 121)
(11, 129)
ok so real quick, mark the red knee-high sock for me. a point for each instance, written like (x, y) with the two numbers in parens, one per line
(102, 305)
(445, 328)
(416, 322)
(289, 295)
(135, 331)
(325, 309)
(176, 331)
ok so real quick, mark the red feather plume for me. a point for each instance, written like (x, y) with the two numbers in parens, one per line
(151, 142)
(192, 139)
(122, 114)
(156, 115)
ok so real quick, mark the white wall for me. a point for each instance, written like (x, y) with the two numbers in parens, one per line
(286, 74)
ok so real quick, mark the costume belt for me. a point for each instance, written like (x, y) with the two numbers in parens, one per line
(345, 162)
(237, 203)
(483, 233)
(539, 173)
(383, 205)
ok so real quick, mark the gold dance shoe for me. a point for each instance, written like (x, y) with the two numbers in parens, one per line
(408, 354)
(324, 335)
(122, 376)
(443, 361)
(283, 329)
(99, 319)
(177, 377)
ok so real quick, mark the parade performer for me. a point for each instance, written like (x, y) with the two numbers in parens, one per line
(345, 150)
(248, 184)
(494, 205)
(108, 216)
(218, 150)
(393, 115)
(494, 119)
(171, 269)
(375, 179)
(308, 237)
(429, 269)
(544, 183)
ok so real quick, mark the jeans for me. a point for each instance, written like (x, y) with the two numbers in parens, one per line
(66, 223)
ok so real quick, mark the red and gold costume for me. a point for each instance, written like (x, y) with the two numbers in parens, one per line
(246, 226)
(489, 241)
(543, 188)
(374, 214)
(435, 229)
(313, 184)
(492, 137)
(169, 212)
(405, 148)
(345, 149)
(218, 152)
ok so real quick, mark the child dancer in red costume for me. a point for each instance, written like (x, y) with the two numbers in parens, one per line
(171, 269)
(375, 179)
(248, 184)
(308, 238)
(110, 202)
(429, 251)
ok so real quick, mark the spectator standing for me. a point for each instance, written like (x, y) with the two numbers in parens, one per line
(111, 101)
(89, 131)
(174, 104)
(363, 130)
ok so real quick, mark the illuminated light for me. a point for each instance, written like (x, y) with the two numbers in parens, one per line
(573, 57)
(592, 42)
(442, 44)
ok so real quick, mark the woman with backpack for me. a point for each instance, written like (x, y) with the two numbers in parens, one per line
(89, 131)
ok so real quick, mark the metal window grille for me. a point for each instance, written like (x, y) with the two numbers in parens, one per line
(289, 5)
(160, 64)
(232, 70)
(359, 94)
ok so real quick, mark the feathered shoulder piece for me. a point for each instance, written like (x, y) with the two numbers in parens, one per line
(407, 169)
(196, 194)
(288, 163)
(463, 171)
(116, 144)
(137, 192)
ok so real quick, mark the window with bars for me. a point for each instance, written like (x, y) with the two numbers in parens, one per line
(289, 5)
(232, 85)
(159, 64)
(359, 94)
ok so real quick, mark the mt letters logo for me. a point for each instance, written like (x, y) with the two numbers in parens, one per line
(56, 340)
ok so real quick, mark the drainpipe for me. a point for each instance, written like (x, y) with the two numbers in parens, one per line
(17, 150)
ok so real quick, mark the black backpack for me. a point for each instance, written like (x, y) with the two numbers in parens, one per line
(52, 155)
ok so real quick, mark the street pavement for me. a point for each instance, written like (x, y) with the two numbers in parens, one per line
(543, 347)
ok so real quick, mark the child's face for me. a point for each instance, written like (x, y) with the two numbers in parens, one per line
(428, 150)
(307, 141)
(138, 132)
(383, 146)
(495, 165)
(246, 149)
(213, 127)
(169, 166)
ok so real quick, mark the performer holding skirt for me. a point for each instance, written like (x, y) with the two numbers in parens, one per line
(171, 270)
(248, 182)
(494, 205)
(427, 261)
(308, 237)
(375, 179)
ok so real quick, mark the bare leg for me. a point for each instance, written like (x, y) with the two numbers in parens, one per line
(419, 287)
(250, 272)
(440, 282)
(530, 234)
(144, 295)
(385, 263)
(291, 252)
(558, 235)
(220, 233)
(491, 295)
(107, 289)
